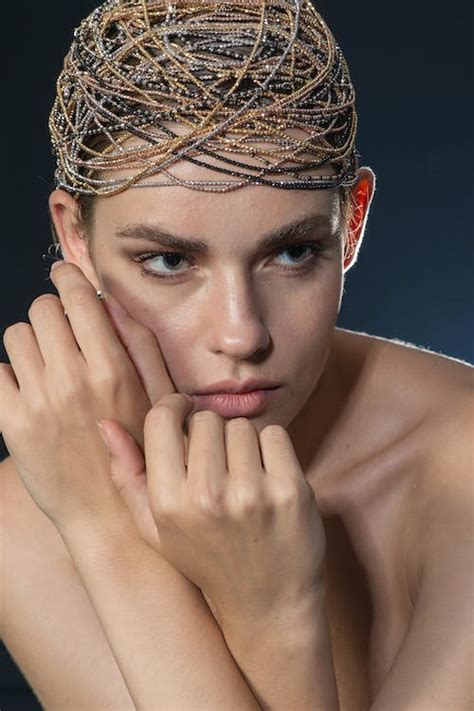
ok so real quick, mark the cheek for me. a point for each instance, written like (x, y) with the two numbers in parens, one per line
(170, 325)
(313, 309)
(173, 332)
(306, 323)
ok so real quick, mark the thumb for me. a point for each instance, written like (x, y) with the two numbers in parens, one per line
(128, 472)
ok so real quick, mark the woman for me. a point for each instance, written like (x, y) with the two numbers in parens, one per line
(289, 548)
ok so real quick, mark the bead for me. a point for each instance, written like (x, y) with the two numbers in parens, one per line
(235, 74)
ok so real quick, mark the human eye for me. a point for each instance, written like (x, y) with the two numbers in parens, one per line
(307, 255)
(305, 262)
(173, 257)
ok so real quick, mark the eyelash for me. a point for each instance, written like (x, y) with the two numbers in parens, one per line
(316, 248)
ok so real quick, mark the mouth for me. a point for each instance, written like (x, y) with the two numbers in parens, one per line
(245, 404)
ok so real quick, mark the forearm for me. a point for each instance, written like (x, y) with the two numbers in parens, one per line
(286, 658)
(170, 650)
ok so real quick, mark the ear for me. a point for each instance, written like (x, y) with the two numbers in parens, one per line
(361, 199)
(65, 215)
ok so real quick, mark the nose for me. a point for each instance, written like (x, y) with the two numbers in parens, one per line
(237, 328)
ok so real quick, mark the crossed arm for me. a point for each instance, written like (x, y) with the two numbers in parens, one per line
(170, 649)
(150, 613)
(199, 668)
(173, 655)
(172, 652)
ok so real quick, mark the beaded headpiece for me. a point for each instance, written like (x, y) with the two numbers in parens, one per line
(259, 88)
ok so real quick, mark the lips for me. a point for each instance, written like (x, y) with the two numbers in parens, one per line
(233, 386)
(243, 404)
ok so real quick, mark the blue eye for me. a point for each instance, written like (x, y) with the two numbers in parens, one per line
(298, 247)
(170, 259)
(304, 263)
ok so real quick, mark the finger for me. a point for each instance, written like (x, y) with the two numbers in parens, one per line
(243, 449)
(278, 454)
(53, 332)
(143, 349)
(207, 464)
(9, 393)
(165, 449)
(94, 333)
(127, 469)
(25, 358)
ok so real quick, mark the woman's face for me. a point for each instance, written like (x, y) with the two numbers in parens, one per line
(236, 309)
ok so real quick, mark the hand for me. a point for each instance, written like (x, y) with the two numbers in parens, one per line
(65, 373)
(232, 512)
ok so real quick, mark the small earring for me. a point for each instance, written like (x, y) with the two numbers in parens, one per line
(100, 295)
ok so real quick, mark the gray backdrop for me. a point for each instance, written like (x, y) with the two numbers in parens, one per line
(413, 281)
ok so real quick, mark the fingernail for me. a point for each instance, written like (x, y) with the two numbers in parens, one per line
(55, 265)
(103, 434)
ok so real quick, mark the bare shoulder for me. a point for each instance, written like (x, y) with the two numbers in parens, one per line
(48, 623)
(405, 390)
(429, 400)
(428, 392)
(401, 364)
(432, 399)
(415, 409)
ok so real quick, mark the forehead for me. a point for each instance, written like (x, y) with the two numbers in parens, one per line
(244, 213)
(238, 217)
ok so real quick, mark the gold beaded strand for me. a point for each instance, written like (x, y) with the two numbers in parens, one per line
(263, 80)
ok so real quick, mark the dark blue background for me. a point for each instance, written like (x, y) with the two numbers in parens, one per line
(409, 62)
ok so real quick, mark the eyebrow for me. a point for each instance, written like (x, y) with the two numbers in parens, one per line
(298, 230)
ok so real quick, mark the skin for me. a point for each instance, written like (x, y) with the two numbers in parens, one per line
(268, 322)
(53, 472)
(403, 391)
(296, 330)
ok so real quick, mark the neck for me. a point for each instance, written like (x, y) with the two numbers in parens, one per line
(311, 426)
(321, 428)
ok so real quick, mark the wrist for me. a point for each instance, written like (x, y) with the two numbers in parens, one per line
(112, 533)
(288, 656)
(113, 546)
(297, 623)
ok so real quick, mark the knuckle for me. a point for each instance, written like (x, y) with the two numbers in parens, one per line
(159, 415)
(164, 509)
(208, 503)
(71, 389)
(287, 495)
(169, 400)
(245, 499)
(107, 376)
(38, 410)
